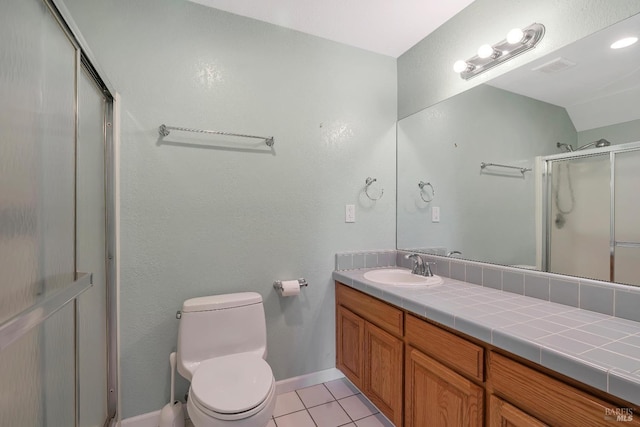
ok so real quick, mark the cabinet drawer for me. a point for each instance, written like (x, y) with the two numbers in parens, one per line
(377, 312)
(503, 414)
(549, 400)
(455, 352)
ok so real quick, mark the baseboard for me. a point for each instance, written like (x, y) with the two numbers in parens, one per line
(151, 419)
(307, 380)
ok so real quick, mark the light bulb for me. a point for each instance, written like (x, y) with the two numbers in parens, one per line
(459, 66)
(514, 36)
(485, 51)
(627, 41)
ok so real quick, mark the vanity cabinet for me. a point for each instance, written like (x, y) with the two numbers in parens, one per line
(443, 377)
(383, 371)
(422, 375)
(369, 349)
(437, 396)
(350, 345)
(548, 399)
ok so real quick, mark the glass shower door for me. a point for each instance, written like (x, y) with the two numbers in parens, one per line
(580, 216)
(37, 248)
(593, 207)
(54, 140)
(626, 265)
(91, 252)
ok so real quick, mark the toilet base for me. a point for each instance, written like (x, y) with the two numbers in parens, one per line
(260, 419)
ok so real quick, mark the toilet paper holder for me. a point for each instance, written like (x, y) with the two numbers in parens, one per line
(277, 285)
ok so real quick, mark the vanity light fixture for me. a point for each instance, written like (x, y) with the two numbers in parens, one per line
(517, 41)
(625, 42)
(486, 51)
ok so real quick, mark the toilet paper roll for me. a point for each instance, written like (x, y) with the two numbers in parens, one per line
(290, 288)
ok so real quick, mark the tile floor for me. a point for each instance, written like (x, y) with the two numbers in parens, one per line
(331, 404)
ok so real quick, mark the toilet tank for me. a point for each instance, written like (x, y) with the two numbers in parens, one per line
(220, 325)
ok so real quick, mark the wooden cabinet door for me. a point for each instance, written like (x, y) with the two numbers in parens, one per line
(502, 414)
(549, 399)
(383, 371)
(437, 396)
(350, 345)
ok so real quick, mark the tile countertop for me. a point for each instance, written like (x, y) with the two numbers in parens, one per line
(593, 348)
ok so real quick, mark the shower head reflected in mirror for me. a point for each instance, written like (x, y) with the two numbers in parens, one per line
(597, 144)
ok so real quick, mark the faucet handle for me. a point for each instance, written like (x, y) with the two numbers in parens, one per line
(427, 268)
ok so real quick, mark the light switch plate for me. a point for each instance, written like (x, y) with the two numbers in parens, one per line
(435, 214)
(350, 213)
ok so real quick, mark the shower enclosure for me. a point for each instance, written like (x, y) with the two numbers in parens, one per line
(592, 213)
(57, 292)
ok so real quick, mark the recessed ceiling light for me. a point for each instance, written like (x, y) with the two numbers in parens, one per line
(627, 41)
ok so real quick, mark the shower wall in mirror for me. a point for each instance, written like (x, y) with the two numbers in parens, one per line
(497, 214)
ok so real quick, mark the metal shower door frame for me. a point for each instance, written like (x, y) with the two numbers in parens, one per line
(85, 60)
(547, 182)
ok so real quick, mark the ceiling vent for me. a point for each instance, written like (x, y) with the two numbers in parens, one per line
(554, 66)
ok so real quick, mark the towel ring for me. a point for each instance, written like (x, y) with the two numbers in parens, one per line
(367, 183)
(423, 184)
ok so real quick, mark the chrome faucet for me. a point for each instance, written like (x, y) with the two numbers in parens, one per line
(449, 254)
(419, 266)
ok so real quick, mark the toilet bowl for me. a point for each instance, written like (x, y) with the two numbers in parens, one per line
(236, 390)
(222, 351)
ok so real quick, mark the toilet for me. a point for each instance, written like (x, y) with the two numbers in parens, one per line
(222, 346)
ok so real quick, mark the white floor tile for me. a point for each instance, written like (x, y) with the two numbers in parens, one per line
(287, 403)
(376, 420)
(329, 415)
(357, 406)
(332, 404)
(341, 387)
(297, 419)
(314, 396)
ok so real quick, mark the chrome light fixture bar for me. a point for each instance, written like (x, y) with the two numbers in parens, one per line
(517, 42)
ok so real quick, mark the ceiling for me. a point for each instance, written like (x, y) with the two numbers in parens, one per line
(388, 27)
(602, 88)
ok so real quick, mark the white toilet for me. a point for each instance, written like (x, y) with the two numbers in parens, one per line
(222, 344)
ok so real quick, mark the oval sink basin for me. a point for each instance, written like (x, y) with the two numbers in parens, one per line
(401, 277)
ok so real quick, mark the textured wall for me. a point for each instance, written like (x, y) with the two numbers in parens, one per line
(616, 134)
(488, 216)
(199, 220)
(425, 72)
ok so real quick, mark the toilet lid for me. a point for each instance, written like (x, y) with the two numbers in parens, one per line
(232, 384)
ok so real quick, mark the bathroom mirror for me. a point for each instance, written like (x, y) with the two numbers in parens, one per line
(482, 152)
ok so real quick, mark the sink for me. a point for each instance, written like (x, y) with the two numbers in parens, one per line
(401, 277)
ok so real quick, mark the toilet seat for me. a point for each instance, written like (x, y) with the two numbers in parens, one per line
(232, 387)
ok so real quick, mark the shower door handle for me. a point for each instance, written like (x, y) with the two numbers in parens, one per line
(626, 244)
